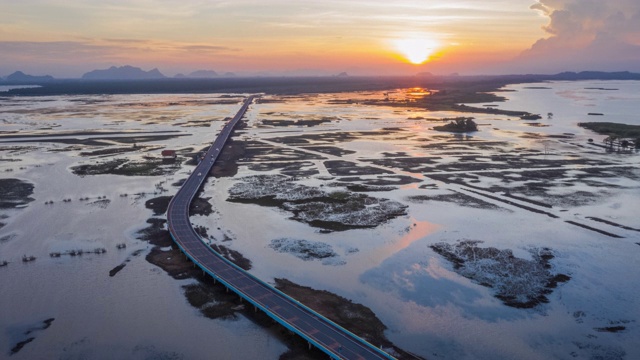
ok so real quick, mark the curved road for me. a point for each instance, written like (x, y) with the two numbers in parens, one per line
(332, 339)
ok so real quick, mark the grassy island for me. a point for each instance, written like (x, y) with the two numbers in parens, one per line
(459, 125)
(613, 129)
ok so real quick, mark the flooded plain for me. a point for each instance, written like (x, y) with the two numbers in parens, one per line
(520, 240)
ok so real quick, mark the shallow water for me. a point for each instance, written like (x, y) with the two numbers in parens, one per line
(572, 101)
(429, 309)
(138, 314)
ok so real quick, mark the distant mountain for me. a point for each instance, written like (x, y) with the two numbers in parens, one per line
(123, 73)
(200, 74)
(203, 74)
(528, 78)
(22, 78)
(229, 74)
(342, 74)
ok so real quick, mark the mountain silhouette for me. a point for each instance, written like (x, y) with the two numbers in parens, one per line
(203, 74)
(123, 73)
(20, 77)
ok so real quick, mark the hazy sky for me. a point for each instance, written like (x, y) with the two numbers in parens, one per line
(66, 38)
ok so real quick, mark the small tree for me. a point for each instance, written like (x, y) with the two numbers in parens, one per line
(609, 141)
(466, 124)
(460, 124)
(547, 146)
(625, 144)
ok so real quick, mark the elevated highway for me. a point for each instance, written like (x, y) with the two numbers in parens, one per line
(327, 336)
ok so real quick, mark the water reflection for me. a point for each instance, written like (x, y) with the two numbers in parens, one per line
(418, 230)
(415, 277)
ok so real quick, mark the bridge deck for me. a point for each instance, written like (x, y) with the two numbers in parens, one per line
(332, 339)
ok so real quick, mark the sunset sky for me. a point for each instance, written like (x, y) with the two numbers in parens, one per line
(66, 38)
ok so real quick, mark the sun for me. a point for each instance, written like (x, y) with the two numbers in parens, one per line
(417, 50)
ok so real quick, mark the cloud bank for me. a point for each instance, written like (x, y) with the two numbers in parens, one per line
(585, 35)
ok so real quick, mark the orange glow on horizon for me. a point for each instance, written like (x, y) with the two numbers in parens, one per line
(416, 50)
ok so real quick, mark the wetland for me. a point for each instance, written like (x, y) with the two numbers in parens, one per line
(512, 241)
